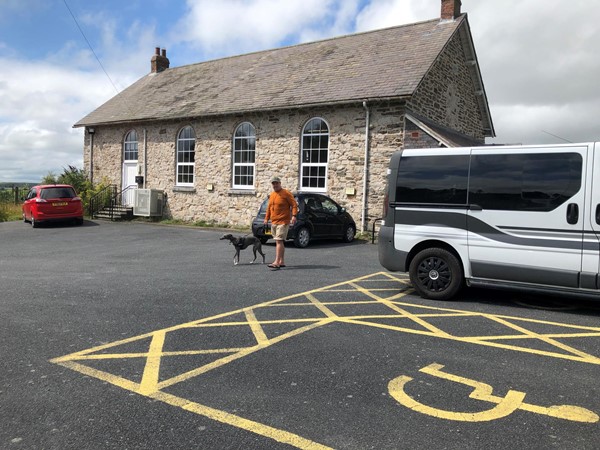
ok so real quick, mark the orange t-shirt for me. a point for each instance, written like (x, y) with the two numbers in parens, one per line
(280, 203)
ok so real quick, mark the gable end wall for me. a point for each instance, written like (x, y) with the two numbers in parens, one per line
(447, 94)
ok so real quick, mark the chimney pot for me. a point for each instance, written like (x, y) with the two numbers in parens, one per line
(450, 9)
(159, 62)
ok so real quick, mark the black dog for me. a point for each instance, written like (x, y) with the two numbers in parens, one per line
(242, 242)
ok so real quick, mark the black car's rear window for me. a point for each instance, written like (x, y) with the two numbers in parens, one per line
(57, 192)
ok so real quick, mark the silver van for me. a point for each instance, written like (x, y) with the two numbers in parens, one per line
(525, 217)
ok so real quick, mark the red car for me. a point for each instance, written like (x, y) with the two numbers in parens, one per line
(52, 202)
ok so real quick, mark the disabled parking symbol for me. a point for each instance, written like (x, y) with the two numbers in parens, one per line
(503, 406)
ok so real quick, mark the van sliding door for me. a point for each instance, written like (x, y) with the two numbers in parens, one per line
(526, 216)
(591, 254)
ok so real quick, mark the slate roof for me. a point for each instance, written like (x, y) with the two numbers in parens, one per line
(382, 64)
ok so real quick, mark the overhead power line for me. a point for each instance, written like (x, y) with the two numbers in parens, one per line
(90, 46)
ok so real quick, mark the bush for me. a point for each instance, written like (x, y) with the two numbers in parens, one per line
(80, 182)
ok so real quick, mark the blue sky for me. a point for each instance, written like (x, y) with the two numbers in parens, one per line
(538, 58)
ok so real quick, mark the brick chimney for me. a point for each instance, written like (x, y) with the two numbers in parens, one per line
(159, 61)
(450, 9)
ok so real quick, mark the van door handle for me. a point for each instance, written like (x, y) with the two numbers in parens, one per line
(572, 213)
(598, 213)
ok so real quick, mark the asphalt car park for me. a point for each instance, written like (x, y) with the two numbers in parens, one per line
(126, 335)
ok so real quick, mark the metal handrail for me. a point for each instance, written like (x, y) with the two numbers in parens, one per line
(102, 199)
(117, 200)
(109, 199)
(373, 229)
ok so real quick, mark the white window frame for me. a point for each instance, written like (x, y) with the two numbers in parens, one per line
(130, 144)
(184, 145)
(306, 155)
(239, 142)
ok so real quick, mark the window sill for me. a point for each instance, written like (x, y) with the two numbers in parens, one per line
(184, 189)
(242, 192)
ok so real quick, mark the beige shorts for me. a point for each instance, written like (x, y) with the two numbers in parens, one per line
(279, 232)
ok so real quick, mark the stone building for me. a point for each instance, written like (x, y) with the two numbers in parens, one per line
(324, 116)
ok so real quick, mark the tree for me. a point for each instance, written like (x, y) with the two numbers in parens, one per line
(80, 182)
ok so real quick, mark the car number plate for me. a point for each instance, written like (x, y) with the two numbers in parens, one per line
(60, 204)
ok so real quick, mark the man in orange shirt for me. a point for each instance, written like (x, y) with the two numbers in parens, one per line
(281, 210)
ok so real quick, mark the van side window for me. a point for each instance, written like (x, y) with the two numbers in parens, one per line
(440, 179)
(524, 182)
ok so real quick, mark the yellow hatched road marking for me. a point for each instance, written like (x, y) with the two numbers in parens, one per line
(261, 337)
(373, 290)
(150, 376)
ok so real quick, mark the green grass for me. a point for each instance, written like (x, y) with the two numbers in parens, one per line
(10, 212)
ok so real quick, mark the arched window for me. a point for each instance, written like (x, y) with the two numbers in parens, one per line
(315, 154)
(244, 149)
(186, 156)
(130, 147)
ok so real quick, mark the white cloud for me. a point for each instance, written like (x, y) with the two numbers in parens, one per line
(538, 60)
(539, 63)
(388, 13)
(40, 103)
(239, 26)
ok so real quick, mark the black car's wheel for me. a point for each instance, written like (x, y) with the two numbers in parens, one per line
(436, 273)
(349, 233)
(302, 238)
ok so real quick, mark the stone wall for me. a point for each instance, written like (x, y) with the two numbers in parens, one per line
(277, 153)
(447, 94)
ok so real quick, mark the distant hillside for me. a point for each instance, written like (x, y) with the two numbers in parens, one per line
(18, 184)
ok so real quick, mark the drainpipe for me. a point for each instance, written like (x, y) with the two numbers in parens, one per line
(145, 156)
(91, 131)
(363, 217)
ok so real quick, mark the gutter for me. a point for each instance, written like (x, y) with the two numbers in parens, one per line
(83, 123)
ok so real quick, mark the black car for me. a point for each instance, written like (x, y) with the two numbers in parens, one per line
(319, 217)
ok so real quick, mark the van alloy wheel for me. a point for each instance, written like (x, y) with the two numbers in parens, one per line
(436, 273)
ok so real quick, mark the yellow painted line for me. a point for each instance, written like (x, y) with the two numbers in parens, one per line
(542, 337)
(551, 335)
(262, 322)
(416, 314)
(101, 356)
(203, 321)
(414, 317)
(568, 356)
(388, 327)
(103, 376)
(324, 309)
(149, 381)
(278, 435)
(584, 358)
(221, 416)
(245, 352)
(261, 337)
(350, 302)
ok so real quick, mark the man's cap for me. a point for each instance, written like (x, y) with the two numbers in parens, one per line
(275, 180)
